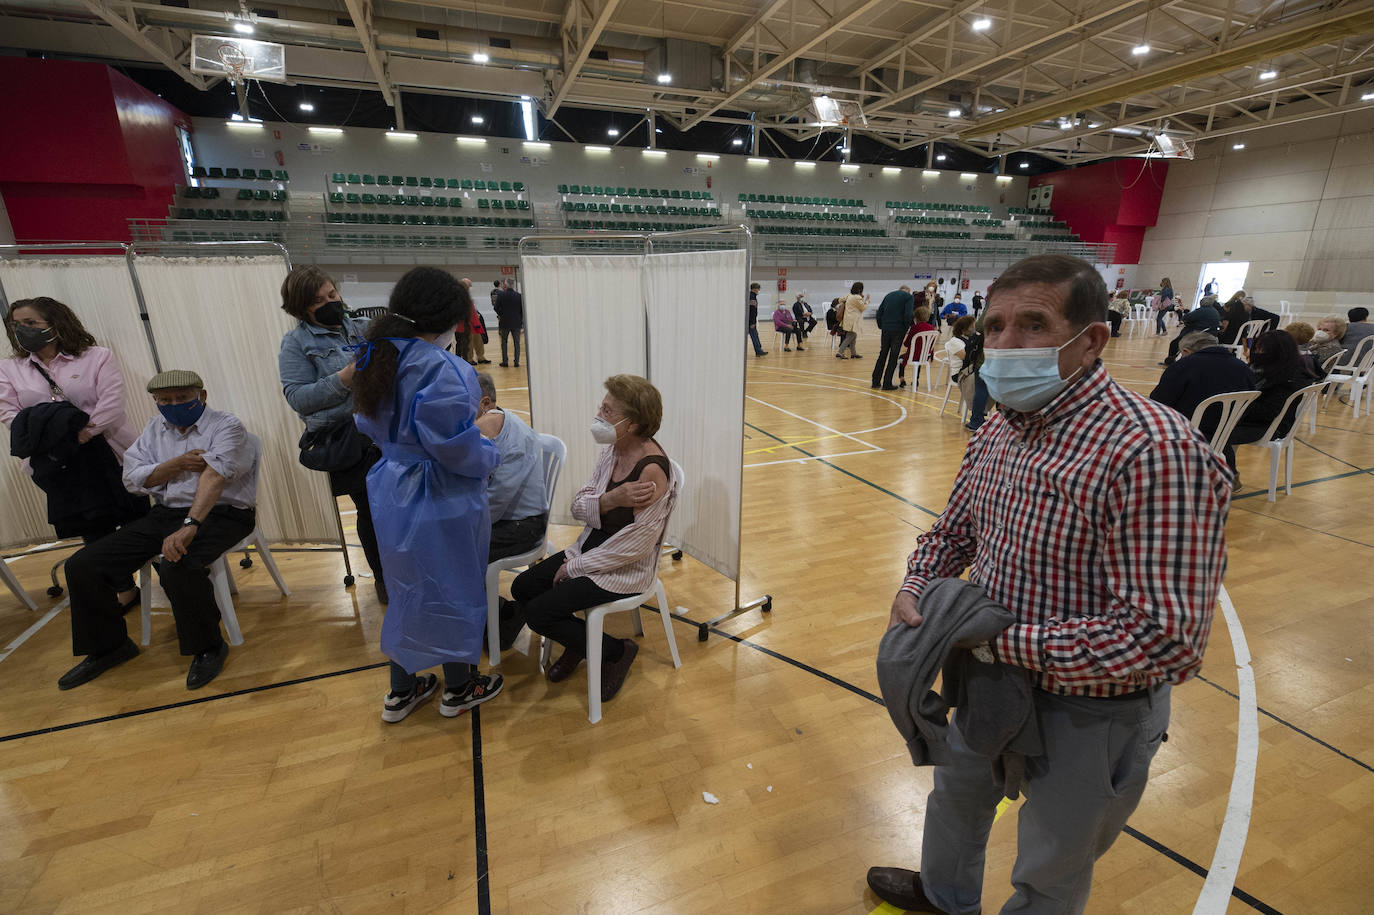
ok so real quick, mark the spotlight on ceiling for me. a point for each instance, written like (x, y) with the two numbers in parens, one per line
(955, 112)
(306, 106)
(480, 57)
(243, 28)
(1237, 145)
(982, 24)
(1024, 165)
(613, 132)
(1268, 74)
(1368, 96)
(665, 77)
(940, 157)
(1141, 50)
(478, 119)
(736, 142)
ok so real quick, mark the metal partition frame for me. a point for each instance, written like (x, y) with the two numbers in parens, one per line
(765, 603)
(170, 249)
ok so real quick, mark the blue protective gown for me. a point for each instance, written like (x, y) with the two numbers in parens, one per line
(429, 508)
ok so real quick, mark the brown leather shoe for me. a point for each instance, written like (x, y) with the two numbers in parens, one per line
(613, 673)
(901, 888)
(563, 668)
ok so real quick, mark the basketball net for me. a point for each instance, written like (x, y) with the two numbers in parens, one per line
(235, 61)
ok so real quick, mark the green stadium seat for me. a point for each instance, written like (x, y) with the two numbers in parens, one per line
(562, 189)
(479, 184)
(519, 186)
(506, 186)
(369, 198)
(262, 195)
(383, 180)
(466, 184)
(441, 202)
(398, 180)
(412, 200)
(426, 201)
(437, 182)
(483, 203)
(412, 181)
(508, 204)
(452, 184)
(352, 198)
(455, 202)
(231, 172)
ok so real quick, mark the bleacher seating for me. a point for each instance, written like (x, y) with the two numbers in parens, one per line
(1022, 211)
(930, 220)
(802, 201)
(927, 233)
(597, 190)
(493, 185)
(820, 230)
(423, 200)
(938, 206)
(636, 209)
(250, 204)
(222, 173)
(809, 215)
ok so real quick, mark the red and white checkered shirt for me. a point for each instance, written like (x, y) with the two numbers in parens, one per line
(1100, 522)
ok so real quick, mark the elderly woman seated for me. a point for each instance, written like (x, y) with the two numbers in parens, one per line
(625, 506)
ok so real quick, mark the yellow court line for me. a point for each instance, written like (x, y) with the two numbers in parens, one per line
(806, 441)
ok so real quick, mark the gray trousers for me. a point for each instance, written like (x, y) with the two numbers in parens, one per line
(847, 343)
(1078, 798)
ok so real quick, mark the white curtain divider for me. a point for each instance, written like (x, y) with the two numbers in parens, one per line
(101, 293)
(585, 316)
(696, 359)
(221, 317)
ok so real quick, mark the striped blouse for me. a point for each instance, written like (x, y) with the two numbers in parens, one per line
(627, 563)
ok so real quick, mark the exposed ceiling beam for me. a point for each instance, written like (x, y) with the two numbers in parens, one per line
(360, 11)
(581, 41)
(743, 35)
(921, 34)
(836, 24)
(1302, 32)
(131, 31)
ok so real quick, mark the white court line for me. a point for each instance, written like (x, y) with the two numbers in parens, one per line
(32, 630)
(873, 449)
(857, 441)
(1221, 876)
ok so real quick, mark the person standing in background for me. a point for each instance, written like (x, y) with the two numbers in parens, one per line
(977, 303)
(510, 320)
(1164, 305)
(751, 327)
(895, 314)
(317, 380)
(852, 312)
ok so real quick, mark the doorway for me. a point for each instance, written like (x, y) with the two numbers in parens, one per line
(1223, 278)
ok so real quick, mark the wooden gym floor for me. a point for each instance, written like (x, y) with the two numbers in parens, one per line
(278, 788)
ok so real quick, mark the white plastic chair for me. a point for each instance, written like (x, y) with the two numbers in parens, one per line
(15, 587)
(1355, 372)
(1327, 385)
(1282, 449)
(965, 408)
(1247, 330)
(554, 454)
(222, 580)
(923, 346)
(596, 618)
(1232, 407)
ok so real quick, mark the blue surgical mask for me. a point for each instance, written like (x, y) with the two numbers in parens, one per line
(1025, 380)
(182, 415)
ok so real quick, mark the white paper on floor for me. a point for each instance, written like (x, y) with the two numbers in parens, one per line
(709, 798)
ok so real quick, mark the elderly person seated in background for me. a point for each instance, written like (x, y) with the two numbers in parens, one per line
(1117, 309)
(1279, 373)
(1326, 342)
(1204, 368)
(1302, 334)
(198, 465)
(1203, 318)
(920, 322)
(786, 324)
(515, 491)
(1356, 329)
(625, 506)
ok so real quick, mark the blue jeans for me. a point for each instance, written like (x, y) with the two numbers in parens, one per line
(1159, 322)
(753, 334)
(456, 674)
(980, 402)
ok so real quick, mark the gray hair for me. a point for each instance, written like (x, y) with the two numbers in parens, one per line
(1249, 300)
(1197, 340)
(905, 288)
(488, 386)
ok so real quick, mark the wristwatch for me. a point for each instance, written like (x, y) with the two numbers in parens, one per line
(188, 521)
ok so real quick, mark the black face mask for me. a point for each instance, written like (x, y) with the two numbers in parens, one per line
(330, 314)
(33, 339)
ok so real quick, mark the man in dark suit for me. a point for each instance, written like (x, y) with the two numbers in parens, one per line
(1205, 318)
(1204, 368)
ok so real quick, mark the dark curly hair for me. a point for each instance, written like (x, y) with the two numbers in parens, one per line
(426, 300)
(1274, 355)
(69, 333)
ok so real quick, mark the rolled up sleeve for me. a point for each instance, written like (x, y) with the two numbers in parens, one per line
(228, 454)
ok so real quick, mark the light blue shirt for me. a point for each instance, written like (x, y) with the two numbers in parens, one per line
(516, 488)
(228, 451)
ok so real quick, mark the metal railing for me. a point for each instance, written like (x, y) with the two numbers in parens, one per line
(312, 240)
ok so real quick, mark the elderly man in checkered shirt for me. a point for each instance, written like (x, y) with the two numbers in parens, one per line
(1097, 517)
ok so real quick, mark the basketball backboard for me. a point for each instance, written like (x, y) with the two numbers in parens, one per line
(232, 58)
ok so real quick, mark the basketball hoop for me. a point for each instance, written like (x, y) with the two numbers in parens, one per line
(234, 61)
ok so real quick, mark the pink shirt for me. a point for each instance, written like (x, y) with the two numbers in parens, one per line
(91, 381)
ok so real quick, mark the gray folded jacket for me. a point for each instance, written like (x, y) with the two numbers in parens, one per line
(995, 710)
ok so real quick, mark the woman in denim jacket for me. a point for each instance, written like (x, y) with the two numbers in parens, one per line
(317, 379)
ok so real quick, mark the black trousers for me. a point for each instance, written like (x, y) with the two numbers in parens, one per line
(511, 538)
(1173, 346)
(888, 355)
(512, 333)
(95, 573)
(353, 483)
(548, 608)
(1115, 317)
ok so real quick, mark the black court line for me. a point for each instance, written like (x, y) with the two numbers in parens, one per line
(1329, 454)
(1288, 724)
(855, 476)
(189, 702)
(1314, 530)
(1334, 476)
(479, 816)
(1136, 834)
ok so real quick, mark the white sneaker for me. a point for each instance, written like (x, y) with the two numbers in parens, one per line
(396, 708)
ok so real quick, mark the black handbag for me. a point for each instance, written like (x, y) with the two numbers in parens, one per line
(334, 448)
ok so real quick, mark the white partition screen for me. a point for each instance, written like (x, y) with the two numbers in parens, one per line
(585, 320)
(696, 360)
(101, 293)
(222, 317)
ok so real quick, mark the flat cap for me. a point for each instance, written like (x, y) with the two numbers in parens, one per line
(175, 378)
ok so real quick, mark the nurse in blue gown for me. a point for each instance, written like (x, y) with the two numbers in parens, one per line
(428, 493)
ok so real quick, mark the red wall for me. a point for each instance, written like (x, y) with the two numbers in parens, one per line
(1109, 203)
(94, 150)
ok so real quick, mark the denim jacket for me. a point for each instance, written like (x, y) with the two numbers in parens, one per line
(310, 358)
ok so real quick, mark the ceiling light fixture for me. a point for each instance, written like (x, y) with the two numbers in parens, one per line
(656, 153)
(955, 112)
(243, 28)
(400, 135)
(736, 142)
(537, 144)
(240, 122)
(929, 173)
(981, 24)
(1141, 50)
(480, 57)
(597, 149)
(1004, 177)
(613, 132)
(1268, 74)
(664, 78)
(328, 130)
(941, 157)
(968, 176)
(306, 106)
(1368, 96)
(849, 168)
(891, 170)
(1024, 165)
(755, 160)
(802, 163)
(473, 141)
(707, 157)
(1237, 145)
(478, 119)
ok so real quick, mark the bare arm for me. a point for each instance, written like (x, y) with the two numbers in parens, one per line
(208, 491)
